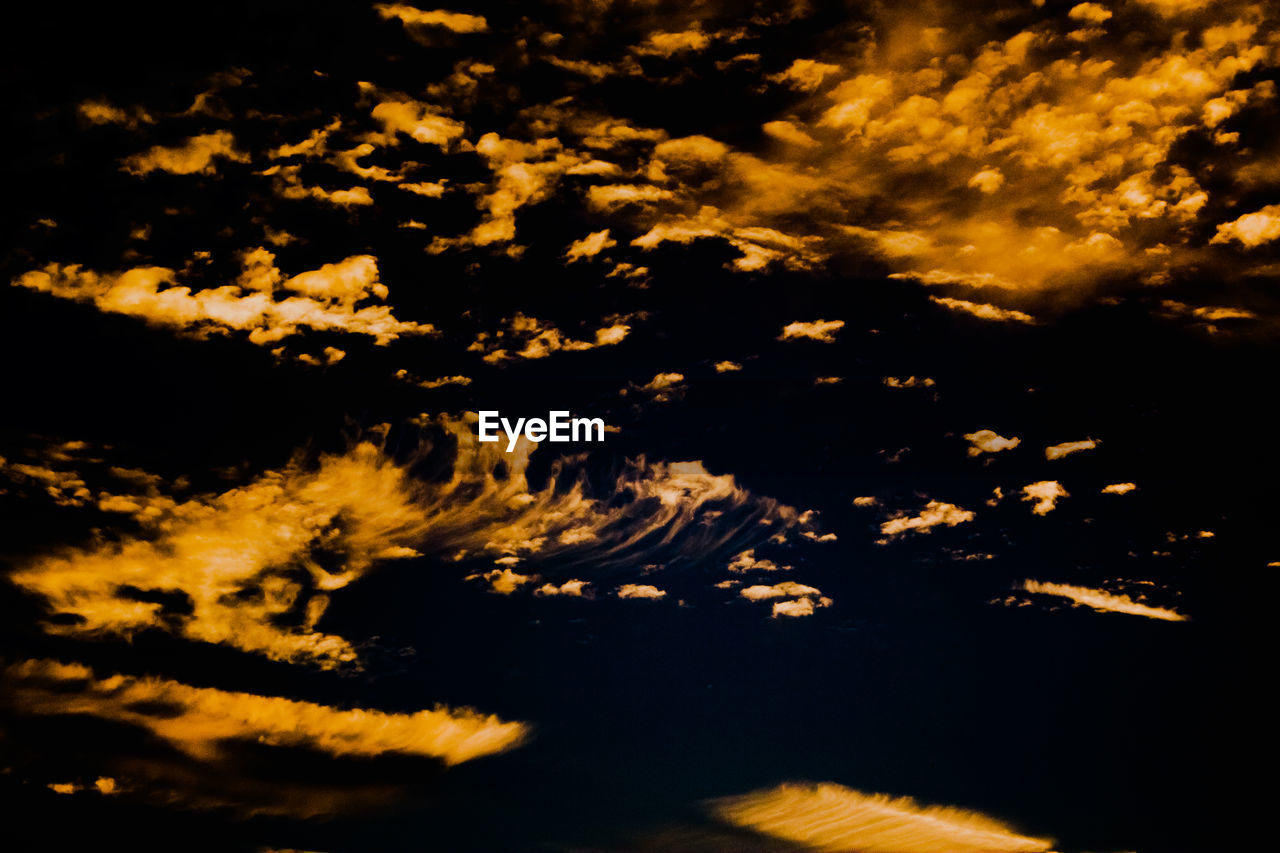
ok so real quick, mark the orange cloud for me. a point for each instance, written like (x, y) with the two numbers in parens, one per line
(196, 156)
(197, 720)
(326, 299)
(831, 817)
(1102, 600)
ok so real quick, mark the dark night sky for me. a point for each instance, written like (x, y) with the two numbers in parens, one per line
(876, 301)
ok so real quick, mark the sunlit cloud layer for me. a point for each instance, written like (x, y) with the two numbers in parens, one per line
(254, 567)
(834, 818)
(1102, 600)
(346, 296)
(197, 720)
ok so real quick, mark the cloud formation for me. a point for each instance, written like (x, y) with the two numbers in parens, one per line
(1057, 451)
(1044, 494)
(197, 720)
(1102, 601)
(196, 156)
(834, 818)
(346, 296)
(823, 331)
(989, 441)
(935, 513)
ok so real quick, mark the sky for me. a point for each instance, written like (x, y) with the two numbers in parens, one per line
(933, 346)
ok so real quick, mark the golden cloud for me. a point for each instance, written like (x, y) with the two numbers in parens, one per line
(831, 817)
(1103, 601)
(1044, 494)
(197, 720)
(935, 513)
(196, 156)
(325, 299)
(989, 441)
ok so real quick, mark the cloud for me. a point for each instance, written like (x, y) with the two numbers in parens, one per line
(422, 122)
(458, 22)
(823, 331)
(640, 590)
(255, 567)
(668, 44)
(529, 338)
(504, 581)
(1102, 600)
(934, 513)
(430, 384)
(831, 817)
(662, 388)
(806, 75)
(982, 310)
(747, 561)
(785, 589)
(573, 588)
(288, 184)
(1251, 229)
(590, 246)
(798, 607)
(196, 156)
(989, 441)
(909, 382)
(197, 720)
(1057, 451)
(727, 367)
(262, 302)
(866, 501)
(1089, 13)
(1119, 488)
(1045, 494)
(801, 599)
(101, 111)
(524, 173)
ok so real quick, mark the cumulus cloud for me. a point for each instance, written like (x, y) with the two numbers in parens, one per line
(727, 367)
(662, 388)
(529, 338)
(504, 581)
(1103, 601)
(457, 22)
(590, 246)
(196, 156)
(823, 331)
(1044, 494)
(346, 296)
(989, 441)
(640, 590)
(1251, 229)
(935, 513)
(800, 599)
(573, 588)
(909, 382)
(834, 818)
(1057, 451)
(747, 561)
(1119, 488)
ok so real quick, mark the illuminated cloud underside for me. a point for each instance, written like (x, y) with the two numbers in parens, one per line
(833, 818)
(262, 302)
(255, 566)
(197, 719)
(1102, 600)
